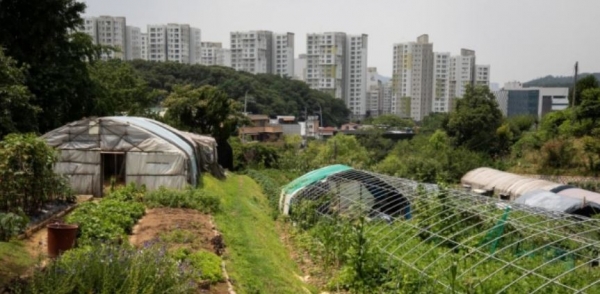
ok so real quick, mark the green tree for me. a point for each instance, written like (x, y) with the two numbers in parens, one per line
(120, 89)
(340, 149)
(434, 122)
(590, 106)
(271, 94)
(474, 122)
(391, 122)
(39, 33)
(204, 110)
(583, 84)
(16, 111)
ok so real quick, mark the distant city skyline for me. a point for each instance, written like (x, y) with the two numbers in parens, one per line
(522, 40)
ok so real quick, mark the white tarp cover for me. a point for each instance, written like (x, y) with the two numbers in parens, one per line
(503, 182)
(154, 156)
(554, 202)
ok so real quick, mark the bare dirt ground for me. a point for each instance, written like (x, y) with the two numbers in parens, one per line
(184, 228)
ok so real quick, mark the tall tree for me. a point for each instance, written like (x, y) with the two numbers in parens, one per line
(16, 111)
(474, 122)
(39, 33)
(118, 88)
(204, 110)
(585, 83)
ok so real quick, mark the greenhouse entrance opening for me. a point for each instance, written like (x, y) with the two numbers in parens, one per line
(113, 167)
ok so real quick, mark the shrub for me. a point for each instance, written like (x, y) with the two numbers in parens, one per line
(202, 200)
(131, 192)
(207, 263)
(12, 224)
(27, 179)
(557, 153)
(114, 269)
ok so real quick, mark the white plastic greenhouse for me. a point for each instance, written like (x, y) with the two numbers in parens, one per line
(130, 150)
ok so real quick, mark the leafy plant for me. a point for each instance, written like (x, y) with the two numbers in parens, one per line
(206, 263)
(114, 269)
(27, 179)
(12, 224)
(108, 221)
(198, 199)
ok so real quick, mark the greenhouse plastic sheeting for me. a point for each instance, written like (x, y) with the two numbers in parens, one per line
(555, 202)
(316, 175)
(154, 154)
(168, 135)
(503, 182)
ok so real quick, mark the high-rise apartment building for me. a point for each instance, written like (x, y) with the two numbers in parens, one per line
(336, 63)
(374, 92)
(108, 31)
(283, 54)
(300, 67)
(441, 82)
(462, 73)
(356, 62)
(134, 43)
(144, 46)
(157, 42)
(388, 94)
(172, 42)
(213, 53)
(482, 75)
(413, 78)
(178, 42)
(195, 46)
(325, 63)
(252, 51)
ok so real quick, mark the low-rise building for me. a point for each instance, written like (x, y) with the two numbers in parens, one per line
(514, 99)
(260, 130)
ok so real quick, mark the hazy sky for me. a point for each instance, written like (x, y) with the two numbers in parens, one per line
(520, 39)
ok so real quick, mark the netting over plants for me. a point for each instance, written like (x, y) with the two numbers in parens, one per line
(433, 239)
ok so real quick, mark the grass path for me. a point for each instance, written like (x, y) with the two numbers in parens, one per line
(256, 258)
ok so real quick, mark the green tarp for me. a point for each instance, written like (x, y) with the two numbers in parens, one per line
(313, 176)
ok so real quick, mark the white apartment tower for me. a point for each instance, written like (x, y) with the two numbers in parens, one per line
(108, 31)
(134, 43)
(144, 46)
(283, 54)
(157, 42)
(441, 82)
(374, 92)
(482, 75)
(356, 79)
(195, 46)
(388, 94)
(213, 53)
(178, 42)
(462, 73)
(413, 78)
(172, 42)
(325, 63)
(252, 51)
(300, 67)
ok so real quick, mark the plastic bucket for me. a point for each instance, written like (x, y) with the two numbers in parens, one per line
(61, 237)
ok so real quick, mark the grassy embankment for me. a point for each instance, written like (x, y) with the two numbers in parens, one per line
(256, 258)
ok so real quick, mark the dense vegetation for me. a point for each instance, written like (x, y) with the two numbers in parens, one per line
(449, 246)
(557, 81)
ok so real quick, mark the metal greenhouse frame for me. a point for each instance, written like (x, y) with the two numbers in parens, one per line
(493, 245)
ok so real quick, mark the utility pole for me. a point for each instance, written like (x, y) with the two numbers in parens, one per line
(320, 119)
(305, 125)
(575, 84)
(246, 102)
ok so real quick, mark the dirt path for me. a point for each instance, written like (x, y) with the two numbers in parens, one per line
(183, 228)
